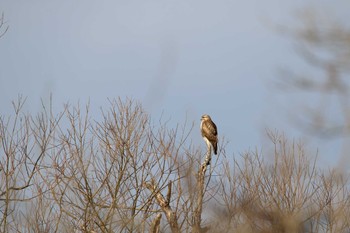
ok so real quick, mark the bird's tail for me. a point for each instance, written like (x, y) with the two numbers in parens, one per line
(215, 148)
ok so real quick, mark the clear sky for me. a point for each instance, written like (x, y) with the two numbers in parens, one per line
(179, 58)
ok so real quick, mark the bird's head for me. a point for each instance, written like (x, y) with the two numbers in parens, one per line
(205, 117)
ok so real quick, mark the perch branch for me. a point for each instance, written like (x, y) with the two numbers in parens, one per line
(200, 192)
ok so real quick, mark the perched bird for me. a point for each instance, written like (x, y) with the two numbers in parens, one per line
(209, 132)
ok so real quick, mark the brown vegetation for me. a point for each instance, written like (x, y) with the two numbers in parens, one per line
(67, 172)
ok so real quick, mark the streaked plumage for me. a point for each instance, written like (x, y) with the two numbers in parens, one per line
(209, 132)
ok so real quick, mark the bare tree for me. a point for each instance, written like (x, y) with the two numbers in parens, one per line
(288, 194)
(111, 176)
(323, 44)
(24, 143)
(67, 172)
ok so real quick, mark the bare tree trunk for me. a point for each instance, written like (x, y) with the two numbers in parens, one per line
(200, 192)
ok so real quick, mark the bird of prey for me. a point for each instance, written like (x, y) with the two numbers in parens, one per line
(209, 132)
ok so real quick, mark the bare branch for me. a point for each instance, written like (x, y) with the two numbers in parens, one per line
(169, 213)
(155, 227)
(2, 24)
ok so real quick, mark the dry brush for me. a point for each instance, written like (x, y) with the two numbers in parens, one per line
(66, 172)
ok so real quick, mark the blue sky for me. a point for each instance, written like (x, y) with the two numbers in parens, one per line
(178, 58)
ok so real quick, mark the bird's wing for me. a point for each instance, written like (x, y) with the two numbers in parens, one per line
(210, 130)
